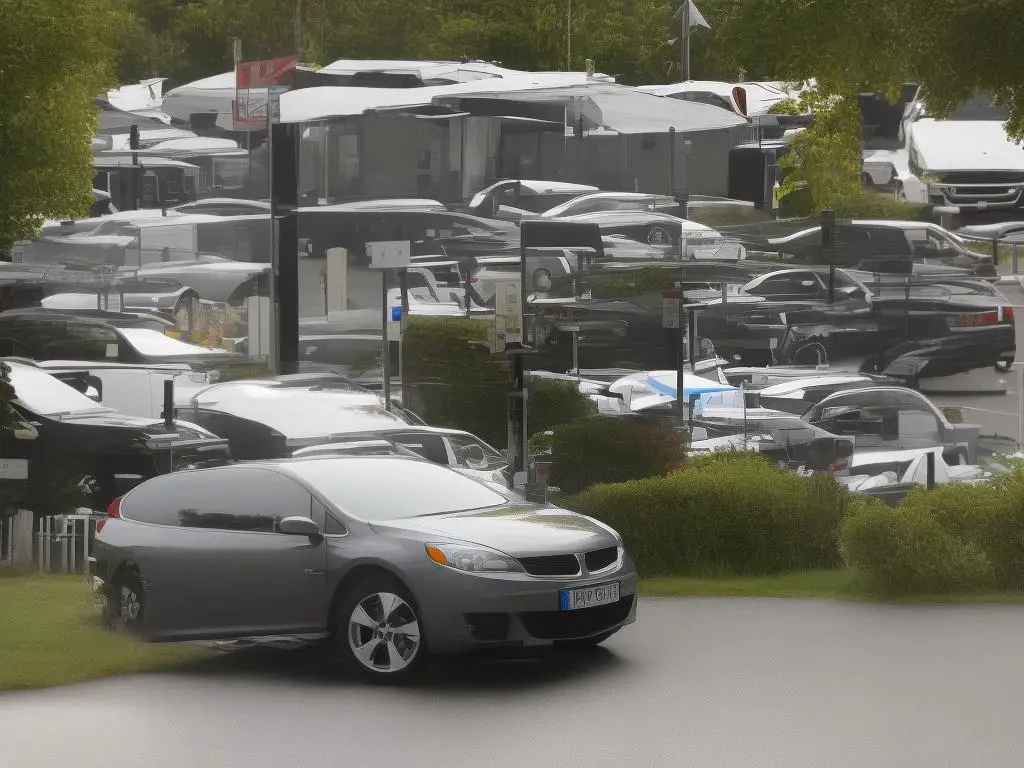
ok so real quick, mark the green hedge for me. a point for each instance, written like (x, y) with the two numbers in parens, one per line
(723, 513)
(612, 449)
(455, 382)
(954, 538)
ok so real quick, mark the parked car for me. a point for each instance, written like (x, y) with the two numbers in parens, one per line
(387, 556)
(966, 159)
(272, 418)
(512, 198)
(69, 438)
(887, 246)
(453, 448)
(596, 202)
(96, 336)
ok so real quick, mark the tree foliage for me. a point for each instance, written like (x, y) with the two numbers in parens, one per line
(55, 58)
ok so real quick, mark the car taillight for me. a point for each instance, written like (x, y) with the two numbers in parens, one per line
(979, 319)
(113, 511)
(838, 465)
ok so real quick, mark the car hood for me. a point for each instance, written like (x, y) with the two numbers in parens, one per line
(965, 145)
(516, 530)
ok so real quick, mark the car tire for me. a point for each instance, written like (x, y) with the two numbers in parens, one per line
(378, 631)
(659, 236)
(125, 609)
(583, 644)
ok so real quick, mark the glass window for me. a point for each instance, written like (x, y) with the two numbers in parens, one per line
(83, 341)
(372, 488)
(42, 394)
(216, 499)
(431, 447)
(473, 453)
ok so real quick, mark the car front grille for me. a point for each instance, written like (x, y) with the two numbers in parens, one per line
(551, 565)
(601, 558)
(562, 625)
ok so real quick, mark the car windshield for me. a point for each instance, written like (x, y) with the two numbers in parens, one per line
(980, 108)
(379, 489)
(153, 343)
(45, 395)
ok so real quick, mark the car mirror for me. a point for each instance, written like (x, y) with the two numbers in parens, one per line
(299, 526)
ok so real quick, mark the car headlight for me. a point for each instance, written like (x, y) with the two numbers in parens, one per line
(542, 280)
(473, 558)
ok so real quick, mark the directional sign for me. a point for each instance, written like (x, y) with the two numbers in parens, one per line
(258, 87)
(13, 469)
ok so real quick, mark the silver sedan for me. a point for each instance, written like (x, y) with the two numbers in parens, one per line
(389, 556)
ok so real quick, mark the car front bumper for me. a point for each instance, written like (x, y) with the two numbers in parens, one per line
(465, 611)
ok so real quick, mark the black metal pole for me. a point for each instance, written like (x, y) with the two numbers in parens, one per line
(680, 338)
(168, 413)
(284, 200)
(672, 161)
(385, 316)
(136, 173)
(930, 469)
(403, 287)
(828, 223)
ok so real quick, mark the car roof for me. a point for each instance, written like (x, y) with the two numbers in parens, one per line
(93, 316)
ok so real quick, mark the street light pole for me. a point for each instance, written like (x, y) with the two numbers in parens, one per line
(684, 42)
(568, 36)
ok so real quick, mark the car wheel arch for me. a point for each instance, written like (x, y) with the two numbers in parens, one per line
(362, 571)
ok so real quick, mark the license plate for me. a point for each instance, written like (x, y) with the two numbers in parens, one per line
(588, 597)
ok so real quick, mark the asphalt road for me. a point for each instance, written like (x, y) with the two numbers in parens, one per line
(708, 683)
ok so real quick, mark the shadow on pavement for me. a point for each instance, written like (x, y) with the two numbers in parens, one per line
(316, 665)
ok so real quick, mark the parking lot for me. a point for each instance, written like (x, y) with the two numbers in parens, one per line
(696, 682)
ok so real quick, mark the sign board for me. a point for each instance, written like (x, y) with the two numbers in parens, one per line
(670, 311)
(395, 324)
(13, 469)
(508, 311)
(258, 87)
(389, 254)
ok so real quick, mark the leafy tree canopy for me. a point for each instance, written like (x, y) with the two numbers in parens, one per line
(55, 60)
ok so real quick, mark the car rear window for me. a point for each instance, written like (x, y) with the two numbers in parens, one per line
(377, 489)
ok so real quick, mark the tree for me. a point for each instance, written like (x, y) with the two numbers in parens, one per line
(55, 58)
(954, 48)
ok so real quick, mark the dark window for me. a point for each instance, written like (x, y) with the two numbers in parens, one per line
(84, 341)
(230, 499)
(430, 447)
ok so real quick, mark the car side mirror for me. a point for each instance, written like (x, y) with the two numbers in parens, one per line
(299, 526)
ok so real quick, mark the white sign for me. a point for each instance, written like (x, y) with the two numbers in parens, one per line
(389, 254)
(508, 310)
(669, 312)
(13, 469)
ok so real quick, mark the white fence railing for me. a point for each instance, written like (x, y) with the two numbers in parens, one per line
(63, 543)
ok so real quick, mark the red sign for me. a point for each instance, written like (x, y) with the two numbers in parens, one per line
(257, 87)
(265, 74)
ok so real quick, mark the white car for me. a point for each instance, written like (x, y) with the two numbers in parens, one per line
(966, 160)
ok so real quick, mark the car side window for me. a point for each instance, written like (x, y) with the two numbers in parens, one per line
(211, 499)
(84, 341)
(431, 447)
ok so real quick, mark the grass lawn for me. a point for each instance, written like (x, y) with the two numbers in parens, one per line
(51, 636)
(838, 584)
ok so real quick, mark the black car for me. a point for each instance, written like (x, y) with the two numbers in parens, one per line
(431, 232)
(885, 246)
(791, 440)
(98, 336)
(70, 440)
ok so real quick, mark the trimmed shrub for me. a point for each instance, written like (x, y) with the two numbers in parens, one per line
(989, 516)
(723, 513)
(612, 449)
(455, 382)
(906, 549)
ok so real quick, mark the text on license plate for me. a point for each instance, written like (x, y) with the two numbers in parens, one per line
(588, 597)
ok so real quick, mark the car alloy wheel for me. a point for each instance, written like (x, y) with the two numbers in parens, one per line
(659, 236)
(384, 633)
(126, 604)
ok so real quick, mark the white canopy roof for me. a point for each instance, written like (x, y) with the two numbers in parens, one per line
(311, 104)
(211, 95)
(615, 108)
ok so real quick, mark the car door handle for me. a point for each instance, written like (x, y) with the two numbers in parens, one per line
(314, 572)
